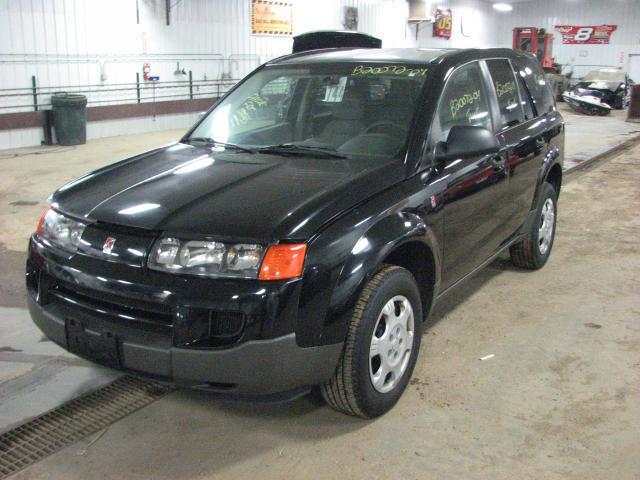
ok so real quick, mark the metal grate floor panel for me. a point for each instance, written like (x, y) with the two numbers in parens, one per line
(74, 420)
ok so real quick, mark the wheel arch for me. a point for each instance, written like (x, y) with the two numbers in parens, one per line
(341, 260)
(401, 239)
(554, 177)
(417, 257)
(550, 171)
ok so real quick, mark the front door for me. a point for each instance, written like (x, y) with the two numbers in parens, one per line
(476, 188)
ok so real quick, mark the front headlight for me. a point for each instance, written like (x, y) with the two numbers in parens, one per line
(60, 231)
(206, 257)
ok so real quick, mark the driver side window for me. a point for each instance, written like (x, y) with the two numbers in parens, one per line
(264, 108)
(464, 101)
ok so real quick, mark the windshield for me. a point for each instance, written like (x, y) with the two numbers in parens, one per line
(605, 75)
(347, 108)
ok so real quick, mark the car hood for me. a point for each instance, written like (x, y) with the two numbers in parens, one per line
(601, 85)
(185, 189)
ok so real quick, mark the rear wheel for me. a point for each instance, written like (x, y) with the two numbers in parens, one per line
(618, 102)
(532, 252)
(381, 347)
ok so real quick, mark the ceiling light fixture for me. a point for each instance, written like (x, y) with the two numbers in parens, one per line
(502, 7)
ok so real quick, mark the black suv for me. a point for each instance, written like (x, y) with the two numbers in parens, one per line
(301, 231)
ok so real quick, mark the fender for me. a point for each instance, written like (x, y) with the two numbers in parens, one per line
(374, 246)
(352, 251)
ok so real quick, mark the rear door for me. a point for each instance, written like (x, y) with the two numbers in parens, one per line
(522, 133)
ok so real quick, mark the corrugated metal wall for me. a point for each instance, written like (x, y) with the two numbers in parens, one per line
(549, 13)
(74, 43)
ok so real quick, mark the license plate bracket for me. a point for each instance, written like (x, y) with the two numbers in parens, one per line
(98, 345)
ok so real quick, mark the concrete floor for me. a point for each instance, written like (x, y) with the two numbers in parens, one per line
(587, 137)
(560, 399)
(36, 375)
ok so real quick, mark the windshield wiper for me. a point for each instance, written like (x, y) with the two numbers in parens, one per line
(291, 148)
(214, 142)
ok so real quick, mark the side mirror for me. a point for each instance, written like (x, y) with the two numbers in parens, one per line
(465, 141)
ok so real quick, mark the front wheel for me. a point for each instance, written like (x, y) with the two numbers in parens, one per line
(533, 252)
(381, 347)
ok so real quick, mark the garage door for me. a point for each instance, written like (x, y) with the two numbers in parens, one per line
(634, 68)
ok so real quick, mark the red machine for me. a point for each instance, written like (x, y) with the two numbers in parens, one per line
(536, 41)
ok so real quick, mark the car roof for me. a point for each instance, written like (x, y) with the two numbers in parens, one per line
(394, 55)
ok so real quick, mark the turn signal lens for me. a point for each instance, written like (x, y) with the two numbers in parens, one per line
(41, 221)
(283, 261)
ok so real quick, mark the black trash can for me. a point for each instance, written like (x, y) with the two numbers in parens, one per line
(70, 118)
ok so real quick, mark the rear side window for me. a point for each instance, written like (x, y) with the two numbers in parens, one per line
(464, 101)
(506, 89)
(536, 82)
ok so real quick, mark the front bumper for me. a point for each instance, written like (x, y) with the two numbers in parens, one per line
(260, 367)
(161, 326)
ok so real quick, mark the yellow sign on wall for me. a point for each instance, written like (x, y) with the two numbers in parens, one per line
(271, 18)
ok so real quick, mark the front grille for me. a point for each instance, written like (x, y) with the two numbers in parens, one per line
(124, 308)
(186, 326)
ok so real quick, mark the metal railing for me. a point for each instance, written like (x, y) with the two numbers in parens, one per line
(38, 97)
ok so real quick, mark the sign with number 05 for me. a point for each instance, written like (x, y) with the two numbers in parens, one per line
(442, 25)
(586, 34)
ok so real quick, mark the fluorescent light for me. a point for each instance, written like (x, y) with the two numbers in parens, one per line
(502, 7)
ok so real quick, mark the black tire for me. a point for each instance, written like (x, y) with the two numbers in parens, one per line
(618, 102)
(351, 388)
(528, 253)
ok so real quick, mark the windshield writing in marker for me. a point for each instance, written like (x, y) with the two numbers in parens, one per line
(389, 69)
